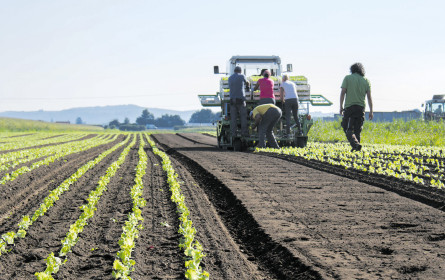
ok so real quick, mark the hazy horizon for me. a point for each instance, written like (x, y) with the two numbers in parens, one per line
(57, 55)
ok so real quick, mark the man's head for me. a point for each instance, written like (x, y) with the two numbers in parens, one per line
(358, 68)
(285, 77)
(237, 69)
(266, 74)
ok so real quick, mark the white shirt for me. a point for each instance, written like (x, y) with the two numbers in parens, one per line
(290, 89)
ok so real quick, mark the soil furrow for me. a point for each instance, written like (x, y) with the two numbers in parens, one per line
(45, 235)
(224, 258)
(251, 238)
(157, 253)
(94, 253)
(339, 227)
(17, 199)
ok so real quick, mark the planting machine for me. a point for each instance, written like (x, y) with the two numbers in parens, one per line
(251, 67)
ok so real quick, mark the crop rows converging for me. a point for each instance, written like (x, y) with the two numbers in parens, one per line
(418, 164)
(30, 159)
(45, 156)
(27, 142)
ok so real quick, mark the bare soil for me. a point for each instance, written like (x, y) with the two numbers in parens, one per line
(332, 225)
(257, 216)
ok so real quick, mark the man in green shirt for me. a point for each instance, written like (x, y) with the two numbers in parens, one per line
(355, 87)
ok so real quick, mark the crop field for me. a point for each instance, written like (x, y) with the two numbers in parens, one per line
(96, 205)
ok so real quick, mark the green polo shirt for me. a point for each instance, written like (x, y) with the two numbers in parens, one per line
(356, 87)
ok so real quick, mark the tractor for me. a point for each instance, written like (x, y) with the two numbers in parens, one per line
(435, 108)
(251, 67)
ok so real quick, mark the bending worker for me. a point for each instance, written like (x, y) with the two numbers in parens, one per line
(266, 116)
(289, 97)
(355, 87)
(237, 83)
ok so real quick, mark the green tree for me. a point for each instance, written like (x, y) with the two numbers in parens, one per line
(145, 118)
(169, 121)
(114, 123)
(79, 120)
(204, 116)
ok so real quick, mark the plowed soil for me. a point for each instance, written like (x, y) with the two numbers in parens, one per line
(296, 221)
(257, 217)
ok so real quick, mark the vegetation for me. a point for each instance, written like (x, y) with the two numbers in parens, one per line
(398, 132)
(204, 116)
(421, 165)
(192, 248)
(145, 119)
(18, 125)
(53, 262)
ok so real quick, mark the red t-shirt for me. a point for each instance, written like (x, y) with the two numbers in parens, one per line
(266, 88)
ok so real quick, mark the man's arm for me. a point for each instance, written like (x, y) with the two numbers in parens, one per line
(282, 93)
(257, 120)
(342, 99)
(371, 112)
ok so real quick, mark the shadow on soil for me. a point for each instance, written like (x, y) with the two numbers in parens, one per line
(269, 254)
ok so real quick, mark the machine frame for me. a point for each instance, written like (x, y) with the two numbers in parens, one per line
(222, 99)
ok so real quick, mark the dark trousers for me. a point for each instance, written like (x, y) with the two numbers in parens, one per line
(265, 128)
(291, 107)
(238, 106)
(266, 101)
(352, 123)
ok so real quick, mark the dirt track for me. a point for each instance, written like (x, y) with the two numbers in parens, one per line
(283, 214)
(257, 217)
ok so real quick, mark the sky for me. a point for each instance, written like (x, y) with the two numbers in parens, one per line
(56, 55)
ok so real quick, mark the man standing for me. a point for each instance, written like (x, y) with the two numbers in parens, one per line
(266, 116)
(237, 83)
(289, 97)
(355, 87)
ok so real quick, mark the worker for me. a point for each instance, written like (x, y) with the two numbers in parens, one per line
(237, 84)
(438, 110)
(289, 97)
(266, 89)
(355, 87)
(265, 117)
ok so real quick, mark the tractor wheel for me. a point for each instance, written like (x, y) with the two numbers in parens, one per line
(237, 145)
(218, 139)
(301, 141)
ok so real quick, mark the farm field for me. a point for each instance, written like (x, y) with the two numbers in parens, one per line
(102, 206)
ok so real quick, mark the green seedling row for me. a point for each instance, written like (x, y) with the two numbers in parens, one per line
(53, 263)
(123, 264)
(68, 149)
(191, 247)
(422, 165)
(54, 195)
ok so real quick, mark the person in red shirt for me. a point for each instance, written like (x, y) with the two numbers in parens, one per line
(266, 89)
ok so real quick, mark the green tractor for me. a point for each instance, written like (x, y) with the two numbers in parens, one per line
(252, 66)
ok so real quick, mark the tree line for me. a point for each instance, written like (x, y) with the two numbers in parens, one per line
(147, 120)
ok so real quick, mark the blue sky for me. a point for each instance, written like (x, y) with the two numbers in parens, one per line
(61, 54)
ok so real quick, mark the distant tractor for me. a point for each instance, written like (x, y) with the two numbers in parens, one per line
(434, 108)
(251, 67)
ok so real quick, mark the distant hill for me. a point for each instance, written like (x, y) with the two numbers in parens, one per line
(95, 115)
